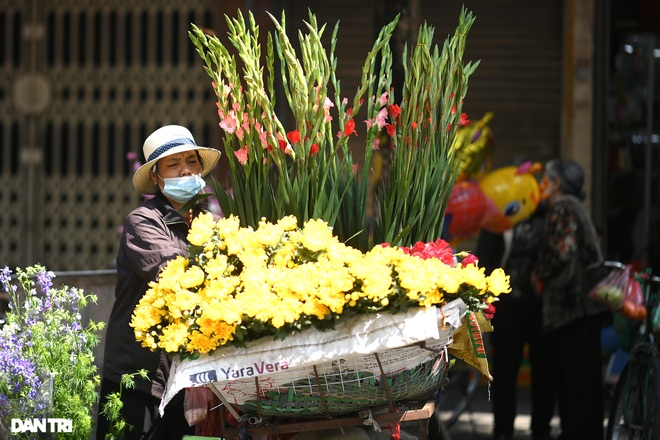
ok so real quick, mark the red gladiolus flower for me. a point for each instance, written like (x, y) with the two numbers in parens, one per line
(391, 128)
(282, 142)
(395, 110)
(464, 119)
(293, 136)
(414, 125)
(349, 128)
(313, 150)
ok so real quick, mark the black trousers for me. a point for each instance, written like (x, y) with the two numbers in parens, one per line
(517, 322)
(580, 379)
(140, 411)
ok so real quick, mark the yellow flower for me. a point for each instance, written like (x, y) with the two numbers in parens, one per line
(201, 229)
(216, 267)
(474, 276)
(192, 277)
(316, 235)
(280, 275)
(498, 282)
(288, 223)
(201, 343)
(269, 234)
(174, 337)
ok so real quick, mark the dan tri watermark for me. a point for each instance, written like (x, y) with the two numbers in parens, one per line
(19, 426)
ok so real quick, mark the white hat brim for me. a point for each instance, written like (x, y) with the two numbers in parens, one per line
(142, 178)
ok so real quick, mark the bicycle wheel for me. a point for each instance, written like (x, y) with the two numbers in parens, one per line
(636, 402)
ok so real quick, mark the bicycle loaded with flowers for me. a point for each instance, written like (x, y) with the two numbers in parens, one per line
(306, 247)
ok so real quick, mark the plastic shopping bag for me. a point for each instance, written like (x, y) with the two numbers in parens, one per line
(612, 288)
(633, 300)
(196, 404)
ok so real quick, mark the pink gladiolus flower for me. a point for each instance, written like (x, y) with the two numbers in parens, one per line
(229, 123)
(242, 155)
(327, 104)
(246, 122)
(262, 139)
(369, 123)
(355, 168)
(383, 99)
(381, 118)
(376, 144)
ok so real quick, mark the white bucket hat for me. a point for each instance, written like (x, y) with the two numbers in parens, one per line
(168, 140)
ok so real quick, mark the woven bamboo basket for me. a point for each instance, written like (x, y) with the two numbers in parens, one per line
(344, 386)
(363, 363)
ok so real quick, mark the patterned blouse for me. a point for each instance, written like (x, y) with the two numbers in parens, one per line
(570, 246)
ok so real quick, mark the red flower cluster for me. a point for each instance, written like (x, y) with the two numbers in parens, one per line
(436, 249)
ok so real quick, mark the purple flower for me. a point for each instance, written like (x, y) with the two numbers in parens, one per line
(5, 278)
(45, 281)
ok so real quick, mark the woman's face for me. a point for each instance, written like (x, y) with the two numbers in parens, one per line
(550, 187)
(177, 165)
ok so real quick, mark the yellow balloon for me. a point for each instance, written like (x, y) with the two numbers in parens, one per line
(512, 195)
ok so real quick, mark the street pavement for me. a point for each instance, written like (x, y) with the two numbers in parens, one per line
(476, 423)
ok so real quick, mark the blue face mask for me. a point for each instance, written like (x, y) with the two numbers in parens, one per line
(183, 188)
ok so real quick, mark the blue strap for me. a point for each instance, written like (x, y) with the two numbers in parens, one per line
(166, 146)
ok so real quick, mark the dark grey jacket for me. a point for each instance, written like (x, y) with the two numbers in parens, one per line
(153, 234)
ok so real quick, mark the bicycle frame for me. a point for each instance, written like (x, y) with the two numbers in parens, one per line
(635, 410)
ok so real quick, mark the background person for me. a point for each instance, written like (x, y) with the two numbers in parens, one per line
(573, 321)
(516, 324)
(153, 233)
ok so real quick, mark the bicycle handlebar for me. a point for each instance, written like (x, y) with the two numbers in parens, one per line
(618, 265)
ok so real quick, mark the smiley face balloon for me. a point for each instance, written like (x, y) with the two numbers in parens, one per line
(512, 194)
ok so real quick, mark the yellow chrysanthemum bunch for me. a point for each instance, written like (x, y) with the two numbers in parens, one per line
(238, 284)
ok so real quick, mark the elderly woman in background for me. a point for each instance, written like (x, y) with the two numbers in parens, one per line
(572, 321)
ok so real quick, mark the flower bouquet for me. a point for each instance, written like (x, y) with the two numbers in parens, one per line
(297, 253)
(46, 360)
(307, 169)
(238, 284)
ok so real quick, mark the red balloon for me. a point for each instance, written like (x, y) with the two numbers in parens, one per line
(466, 208)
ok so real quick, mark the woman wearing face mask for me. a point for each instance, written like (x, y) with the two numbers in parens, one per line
(153, 233)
